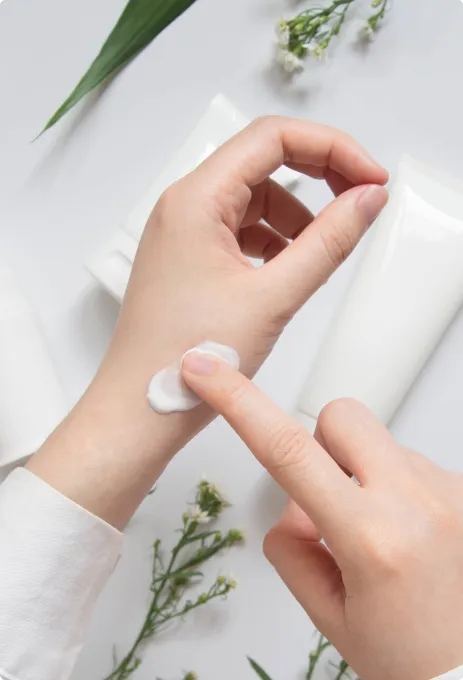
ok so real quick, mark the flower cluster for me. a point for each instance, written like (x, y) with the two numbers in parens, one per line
(173, 577)
(209, 503)
(310, 33)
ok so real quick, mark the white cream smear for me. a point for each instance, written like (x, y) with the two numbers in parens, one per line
(168, 392)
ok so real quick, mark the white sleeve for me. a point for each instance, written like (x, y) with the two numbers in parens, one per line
(55, 558)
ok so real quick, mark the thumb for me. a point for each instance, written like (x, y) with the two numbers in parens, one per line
(308, 569)
(296, 273)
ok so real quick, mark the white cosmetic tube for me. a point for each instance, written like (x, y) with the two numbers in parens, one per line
(32, 402)
(404, 296)
(112, 266)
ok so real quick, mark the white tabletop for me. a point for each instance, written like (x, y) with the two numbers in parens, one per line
(62, 196)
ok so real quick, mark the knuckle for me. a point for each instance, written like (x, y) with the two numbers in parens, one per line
(270, 544)
(330, 414)
(168, 196)
(266, 121)
(384, 554)
(268, 127)
(288, 446)
(235, 393)
(337, 243)
(166, 203)
(443, 517)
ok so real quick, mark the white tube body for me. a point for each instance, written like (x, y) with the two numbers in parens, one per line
(32, 402)
(405, 294)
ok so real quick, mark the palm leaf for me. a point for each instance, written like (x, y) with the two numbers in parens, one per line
(260, 671)
(140, 22)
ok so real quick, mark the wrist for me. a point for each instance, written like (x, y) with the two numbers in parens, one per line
(112, 448)
(128, 426)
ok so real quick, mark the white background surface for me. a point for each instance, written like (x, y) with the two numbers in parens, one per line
(62, 196)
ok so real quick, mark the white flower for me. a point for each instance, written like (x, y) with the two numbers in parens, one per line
(317, 51)
(365, 32)
(214, 490)
(198, 515)
(232, 582)
(288, 60)
(282, 32)
(228, 581)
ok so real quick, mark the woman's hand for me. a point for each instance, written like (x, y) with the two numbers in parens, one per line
(191, 281)
(386, 590)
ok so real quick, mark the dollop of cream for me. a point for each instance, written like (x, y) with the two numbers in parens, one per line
(168, 392)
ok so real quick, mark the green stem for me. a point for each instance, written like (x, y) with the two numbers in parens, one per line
(340, 22)
(324, 13)
(315, 656)
(380, 14)
(383, 9)
(195, 561)
(169, 584)
(120, 672)
(306, 25)
(195, 605)
(342, 672)
(152, 620)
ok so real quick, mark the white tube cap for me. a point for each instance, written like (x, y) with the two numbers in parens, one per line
(309, 422)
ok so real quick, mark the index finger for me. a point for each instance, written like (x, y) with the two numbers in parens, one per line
(290, 454)
(317, 150)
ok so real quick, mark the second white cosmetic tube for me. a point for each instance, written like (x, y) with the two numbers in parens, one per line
(32, 402)
(405, 294)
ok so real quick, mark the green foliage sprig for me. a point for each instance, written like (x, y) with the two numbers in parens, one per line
(140, 22)
(172, 578)
(342, 668)
(310, 32)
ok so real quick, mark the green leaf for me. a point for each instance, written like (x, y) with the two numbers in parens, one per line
(259, 671)
(140, 22)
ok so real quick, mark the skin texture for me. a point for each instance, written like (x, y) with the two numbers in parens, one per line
(385, 587)
(192, 282)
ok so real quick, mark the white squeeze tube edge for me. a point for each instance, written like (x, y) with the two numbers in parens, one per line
(405, 294)
(456, 674)
(112, 267)
(32, 402)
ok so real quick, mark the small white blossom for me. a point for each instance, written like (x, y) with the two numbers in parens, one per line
(232, 582)
(365, 32)
(215, 491)
(317, 51)
(282, 32)
(236, 535)
(228, 581)
(288, 60)
(198, 515)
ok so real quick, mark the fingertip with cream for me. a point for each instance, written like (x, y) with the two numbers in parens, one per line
(199, 364)
(169, 389)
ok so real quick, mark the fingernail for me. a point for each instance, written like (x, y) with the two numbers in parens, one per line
(371, 201)
(199, 363)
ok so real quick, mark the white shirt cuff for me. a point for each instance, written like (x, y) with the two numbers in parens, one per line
(55, 558)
